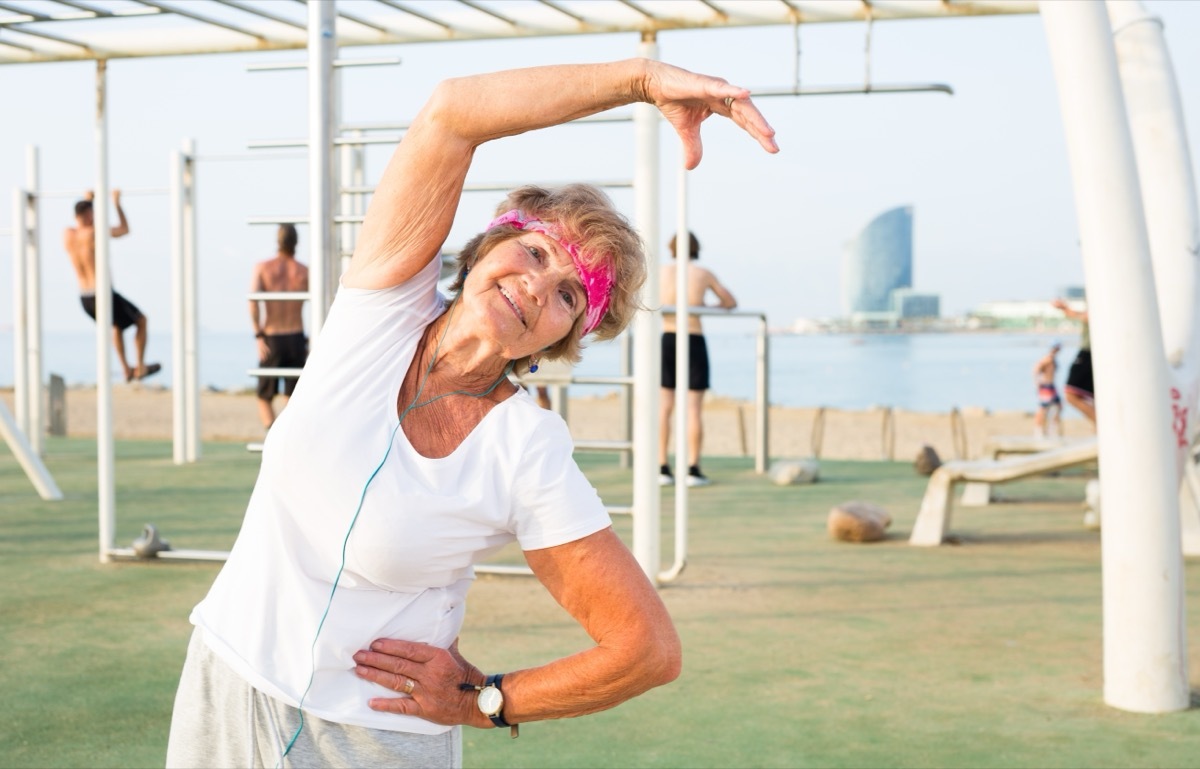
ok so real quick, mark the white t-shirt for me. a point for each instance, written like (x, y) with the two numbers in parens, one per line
(422, 526)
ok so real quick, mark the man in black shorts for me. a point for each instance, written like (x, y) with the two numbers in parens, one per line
(80, 242)
(279, 324)
(1080, 389)
(700, 283)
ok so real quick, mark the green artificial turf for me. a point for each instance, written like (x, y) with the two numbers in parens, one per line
(799, 651)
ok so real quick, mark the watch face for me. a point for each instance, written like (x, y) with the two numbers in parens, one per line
(491, 700)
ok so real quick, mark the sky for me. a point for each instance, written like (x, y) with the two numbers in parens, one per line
(985, 169)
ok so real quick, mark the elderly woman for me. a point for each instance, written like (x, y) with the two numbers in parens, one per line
(407, 455)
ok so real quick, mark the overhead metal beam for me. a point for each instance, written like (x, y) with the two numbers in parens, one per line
(563, 11)
(263, 14)
(417, 14)
(202, 19)
(47, 36)
(490, 12)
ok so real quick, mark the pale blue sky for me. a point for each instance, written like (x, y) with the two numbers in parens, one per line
(985, 169)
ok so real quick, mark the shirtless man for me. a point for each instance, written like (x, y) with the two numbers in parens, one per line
(80, 243)
(279, 324)
(700, 282)
(1048, 401)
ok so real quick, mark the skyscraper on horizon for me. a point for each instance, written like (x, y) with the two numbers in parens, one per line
(878, 262)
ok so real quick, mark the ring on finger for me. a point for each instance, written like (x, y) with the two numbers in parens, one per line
(729, 103)
(409, 685)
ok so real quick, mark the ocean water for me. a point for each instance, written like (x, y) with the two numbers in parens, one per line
(917, 372)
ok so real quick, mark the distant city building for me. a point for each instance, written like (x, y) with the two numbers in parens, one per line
(878, 262)
(909, 304)
(1072, 292)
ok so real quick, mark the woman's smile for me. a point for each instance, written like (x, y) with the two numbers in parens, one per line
(516, 308)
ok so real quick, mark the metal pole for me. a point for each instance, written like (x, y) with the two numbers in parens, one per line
(1145, 666)
(761, 403)
(106, 479)
(20, 236)
(647, 331)
(191, 305)
(178, 315)
(682, 363)
(33, 288)
(625, 400)
(322, 41)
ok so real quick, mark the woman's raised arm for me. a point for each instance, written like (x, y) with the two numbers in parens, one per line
(414, 204)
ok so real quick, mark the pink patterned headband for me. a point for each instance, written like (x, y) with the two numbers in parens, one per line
(597, 281)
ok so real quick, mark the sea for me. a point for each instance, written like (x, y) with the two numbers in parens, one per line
(928, 372)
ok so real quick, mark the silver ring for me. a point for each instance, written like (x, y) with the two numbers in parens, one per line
(409, 685)
(729, 103)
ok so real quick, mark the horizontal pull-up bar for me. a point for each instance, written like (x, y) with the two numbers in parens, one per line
(352, 219)
(133, 191)
(840, 90)
(252, 156)
(499, 186)
(278, 296)
(603, 117)
(275, 372)
(369, 62)
(263, 144)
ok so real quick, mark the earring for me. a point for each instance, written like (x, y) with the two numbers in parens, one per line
(533, 365)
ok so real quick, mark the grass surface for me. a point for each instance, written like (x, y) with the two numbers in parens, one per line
(799, 651)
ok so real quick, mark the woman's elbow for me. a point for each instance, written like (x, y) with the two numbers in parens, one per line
(663, 658)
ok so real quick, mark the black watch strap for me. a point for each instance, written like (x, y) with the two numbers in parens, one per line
(494, 680)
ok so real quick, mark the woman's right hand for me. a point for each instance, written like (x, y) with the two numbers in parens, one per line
(687, 99)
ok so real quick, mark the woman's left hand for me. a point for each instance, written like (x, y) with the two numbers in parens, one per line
(428, 675)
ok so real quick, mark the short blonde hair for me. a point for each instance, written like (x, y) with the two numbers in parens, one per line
(584, 215)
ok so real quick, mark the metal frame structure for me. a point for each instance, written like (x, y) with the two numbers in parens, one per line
(1146, 356)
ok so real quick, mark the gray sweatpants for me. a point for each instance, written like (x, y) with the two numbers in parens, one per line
(222, 721)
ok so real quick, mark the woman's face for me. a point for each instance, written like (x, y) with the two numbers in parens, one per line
(525, 293)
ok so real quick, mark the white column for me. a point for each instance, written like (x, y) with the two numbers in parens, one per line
(20, 314)
(647, 331)
(1164, 163)
(106, 502)
(322, 43)
(33, 288)
(191, 306)
(1144, 663)
(178, 366)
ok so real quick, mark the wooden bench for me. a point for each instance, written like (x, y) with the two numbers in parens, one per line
(934, 516)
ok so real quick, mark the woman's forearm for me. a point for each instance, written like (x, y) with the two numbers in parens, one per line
(479, 108)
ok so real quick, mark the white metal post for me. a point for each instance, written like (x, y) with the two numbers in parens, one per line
(178, 315)
(33, 289)
(647, 331)
(1144, 655)
(682, 366)
(191, 305)
(322, 43)
(106, 502)
(20, 314)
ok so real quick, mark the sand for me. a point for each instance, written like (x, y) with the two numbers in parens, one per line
(144, 412)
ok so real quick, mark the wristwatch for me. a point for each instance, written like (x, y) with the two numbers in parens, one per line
(490, 701)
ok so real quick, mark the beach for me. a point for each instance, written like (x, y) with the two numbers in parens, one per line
(144, 412)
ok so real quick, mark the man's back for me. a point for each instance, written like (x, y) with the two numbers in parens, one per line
(80, 244)
(282, 273)
(700, 282)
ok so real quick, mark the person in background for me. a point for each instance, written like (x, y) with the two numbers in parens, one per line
(1049, 404)
(279, 324)
(1080, 390)
(407, 456)
(80, 243)
(700, 283)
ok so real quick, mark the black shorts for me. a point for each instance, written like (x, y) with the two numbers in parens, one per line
(1079, 376)
(697, 361)
(124, 313)
(283, 351)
